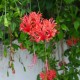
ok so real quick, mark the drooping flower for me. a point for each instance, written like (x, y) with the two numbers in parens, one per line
(69, 42)
(13, 71)
(46, 65)
(34, 60)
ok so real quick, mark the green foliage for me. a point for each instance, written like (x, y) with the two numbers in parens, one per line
(68, 1)
(38, 78)
(64, 27)
(1, 34)
(76, 25)
(67, 17)
(73, 55)
(7, 74)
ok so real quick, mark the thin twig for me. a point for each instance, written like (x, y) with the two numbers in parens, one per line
(38, 5)
(62, 49)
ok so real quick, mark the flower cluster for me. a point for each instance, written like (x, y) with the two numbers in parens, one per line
(48, 75)
(38, 28)
(72, 41)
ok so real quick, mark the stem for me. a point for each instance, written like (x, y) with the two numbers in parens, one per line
(46, 62)
(33, 48)
(20, 3)
(38, 5)
(60, 7)
(5, 8)
(20, 60)
(11, 65)
(30, 5)
(16, 4)
(62, 49)
(10, 44)
(58, 10)
(58, 51)
(45, 48)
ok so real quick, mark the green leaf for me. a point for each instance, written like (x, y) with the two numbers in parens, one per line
(38, 77)
(15, 46)
(24, 69)
(6, 23)
(76, 76)
(76, 25)
(61, 35)
(64, 27)
(7, 74)
(28, 1)
(28, 10)
(0, 18)
(76, 10)
(16, 14)
(5, 52)
(1, 6)
(59, 19)
(23, 12)
(18, 10)
(69, 1)
(16, 35)
(25, 2)
(1, 34)
(6, 42)
(23, 36)
(13, 26)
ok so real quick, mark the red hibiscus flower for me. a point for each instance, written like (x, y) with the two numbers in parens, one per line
(38, 28)
(25, 24)
(72, 41)
(42, 75)
(48, 75)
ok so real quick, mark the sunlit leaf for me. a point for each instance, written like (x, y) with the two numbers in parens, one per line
(5, 52)
(64, 27)
(76, 24)
(1, 34)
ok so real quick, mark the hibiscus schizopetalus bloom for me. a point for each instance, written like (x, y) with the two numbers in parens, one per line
(72, 41)
(38, 28)
(48, 75)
